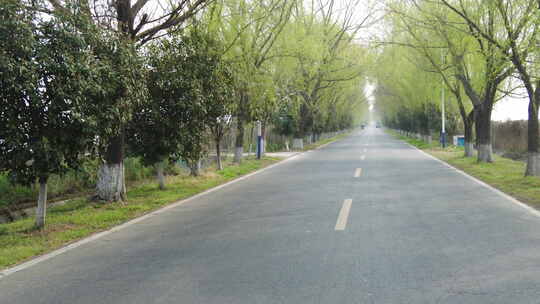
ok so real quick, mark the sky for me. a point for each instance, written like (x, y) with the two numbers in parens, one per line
(506, 109)
(510, 109)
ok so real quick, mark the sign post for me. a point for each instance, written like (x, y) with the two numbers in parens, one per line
(259, 140)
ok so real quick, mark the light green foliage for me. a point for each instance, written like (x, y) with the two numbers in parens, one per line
(321, 72)
(442, 53)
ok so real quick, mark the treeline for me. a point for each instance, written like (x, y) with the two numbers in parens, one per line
(159, 79)
(472, 53)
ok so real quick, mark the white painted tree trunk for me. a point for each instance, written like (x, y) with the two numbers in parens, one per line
(429, 139)
(287, 146)
(218, 156)
(298, 144)
(195, 168)
(533, 164)
(42, 205)
(111, 185)
(219, 163)
(238, 152)
(469, 149)
(485, 153)
(160, 176)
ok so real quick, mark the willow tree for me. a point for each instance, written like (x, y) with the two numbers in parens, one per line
(137, 22)
(249, 30)
(490, 65)
(479, 65)
(518, 42)
(418, 30)
(407, 94)
(320, 44)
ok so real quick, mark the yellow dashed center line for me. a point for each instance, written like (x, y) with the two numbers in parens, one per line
(343, 215)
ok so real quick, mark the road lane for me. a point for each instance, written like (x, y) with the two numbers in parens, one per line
(418, 232)
(343, 215)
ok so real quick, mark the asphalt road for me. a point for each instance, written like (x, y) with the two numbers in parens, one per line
(406, 229)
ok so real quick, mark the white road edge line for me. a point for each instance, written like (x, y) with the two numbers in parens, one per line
(4, 273)
(343, 215)
(499, 192)
(358, 172)
(99, 235)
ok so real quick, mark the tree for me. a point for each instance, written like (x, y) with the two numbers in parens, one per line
(47, 73)
(324, 55)
(155, 131)
(216, 79)
(250, 30)
(479, 65)
(423, 37)
(407, 94)
(137, 23)
(517, 41)
(495, 70)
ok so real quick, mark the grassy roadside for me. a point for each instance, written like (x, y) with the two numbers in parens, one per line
(80, 218)
(504, 174)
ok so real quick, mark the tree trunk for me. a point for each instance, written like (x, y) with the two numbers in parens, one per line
(305, 123)
(469, 149)
(110, 183)
(483, 132)
(239, 150)
(287, 145)
(533, 155)
(468, 127)
(160, 176)
(218, 155)
(111, 178)
(298, 144)
(242, 117)
(195, 168)
(41, 210)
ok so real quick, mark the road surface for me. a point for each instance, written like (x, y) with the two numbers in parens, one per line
(367, 219)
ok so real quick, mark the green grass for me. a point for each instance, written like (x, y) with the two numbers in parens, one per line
(74, 183)
(504, 174)
(79, 218)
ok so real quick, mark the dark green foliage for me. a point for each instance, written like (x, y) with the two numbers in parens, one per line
(46, 75)
(190, 90)
(425, 119)
(120, 86)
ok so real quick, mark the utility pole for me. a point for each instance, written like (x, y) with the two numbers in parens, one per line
(443, 129)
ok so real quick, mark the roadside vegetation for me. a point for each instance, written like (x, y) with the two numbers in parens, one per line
(503, 173)
(467, 55)
(81, 217)
(99, 96)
